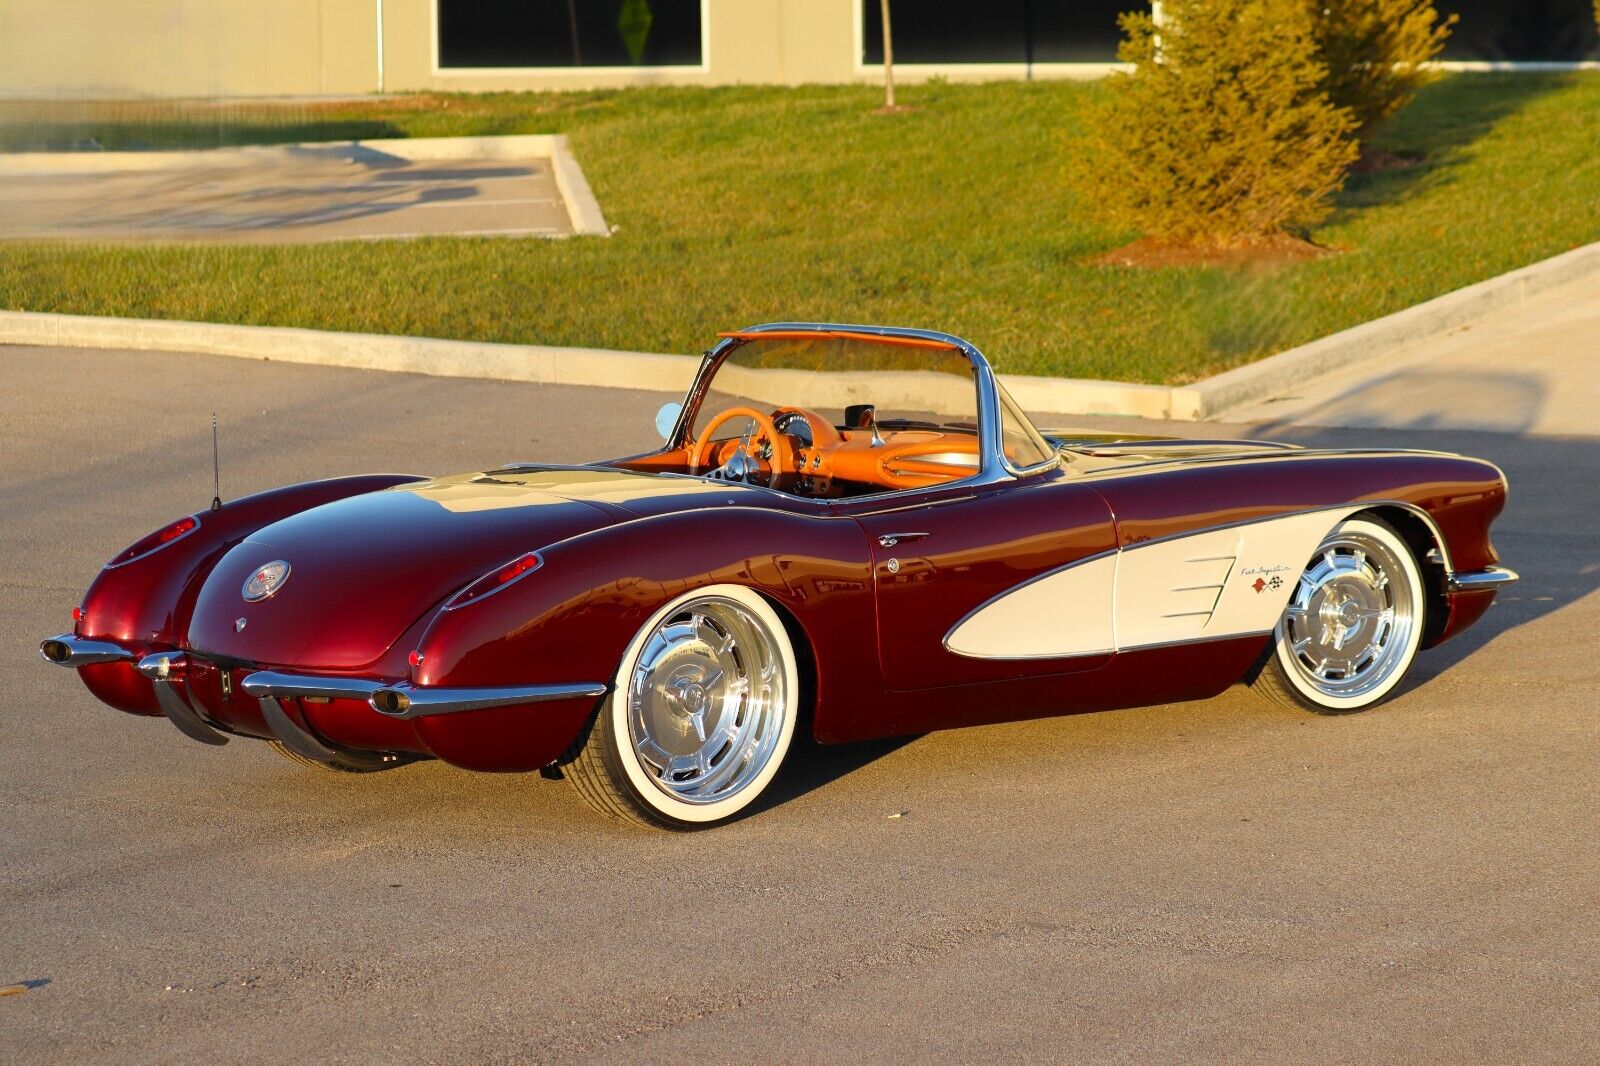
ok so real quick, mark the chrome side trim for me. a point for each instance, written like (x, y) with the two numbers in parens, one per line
(405, 700)
(69, 650)
(1493, 577)
(408, 701)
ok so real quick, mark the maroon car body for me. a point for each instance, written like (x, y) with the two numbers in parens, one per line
(382, 641)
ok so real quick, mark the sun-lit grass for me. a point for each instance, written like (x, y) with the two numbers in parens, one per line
(736, 206)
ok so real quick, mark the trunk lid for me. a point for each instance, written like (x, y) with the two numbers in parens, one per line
(363, 570)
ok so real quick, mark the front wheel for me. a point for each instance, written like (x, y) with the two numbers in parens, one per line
(1352, 626)
(701, 715)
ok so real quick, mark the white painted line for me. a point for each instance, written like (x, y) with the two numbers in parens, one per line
(484, 203)
(533, 232)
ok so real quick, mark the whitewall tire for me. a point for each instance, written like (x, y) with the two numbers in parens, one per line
(700, 716)
(1353, 624)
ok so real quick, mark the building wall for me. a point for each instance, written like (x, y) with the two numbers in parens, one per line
(225, 48)
(783, 42)
(207, 48)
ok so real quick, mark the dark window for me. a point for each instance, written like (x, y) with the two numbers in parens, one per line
(996, 31)
(1521, 29)
(569, 33)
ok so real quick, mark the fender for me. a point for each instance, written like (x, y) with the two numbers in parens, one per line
(572, 618)
(1440, 503)
(144, 604)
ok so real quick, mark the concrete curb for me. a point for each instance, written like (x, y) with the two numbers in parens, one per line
(366, 351)
(1370, 340)
(672, 373)
(582, 207)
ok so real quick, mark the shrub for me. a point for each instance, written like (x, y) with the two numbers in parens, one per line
(1374, 51)
(1221, 134)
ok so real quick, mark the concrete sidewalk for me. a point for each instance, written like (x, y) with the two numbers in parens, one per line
(506, 186)
(1531, 368)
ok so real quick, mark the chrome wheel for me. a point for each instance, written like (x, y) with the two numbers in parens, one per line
(1351, 624)
(708, 700)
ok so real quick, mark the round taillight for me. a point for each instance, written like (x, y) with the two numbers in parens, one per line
(415, 658)
(77, 614)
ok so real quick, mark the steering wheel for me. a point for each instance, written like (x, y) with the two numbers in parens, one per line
(746, 458)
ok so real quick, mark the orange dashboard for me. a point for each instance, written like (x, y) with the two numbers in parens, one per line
(840, 462)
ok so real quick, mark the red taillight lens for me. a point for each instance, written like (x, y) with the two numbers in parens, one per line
(159, 539)
(495, 580)
(77, 614)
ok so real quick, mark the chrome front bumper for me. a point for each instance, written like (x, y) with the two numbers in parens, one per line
(1493, 577)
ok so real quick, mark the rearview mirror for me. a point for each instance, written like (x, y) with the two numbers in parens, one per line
(667, 417)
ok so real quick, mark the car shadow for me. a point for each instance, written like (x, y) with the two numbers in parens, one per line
(811, 765)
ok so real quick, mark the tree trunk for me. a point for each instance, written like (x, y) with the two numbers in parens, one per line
(888, 59)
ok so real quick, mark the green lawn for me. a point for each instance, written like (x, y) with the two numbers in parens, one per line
(735, 206)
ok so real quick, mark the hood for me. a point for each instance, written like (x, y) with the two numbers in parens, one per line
(363, 570)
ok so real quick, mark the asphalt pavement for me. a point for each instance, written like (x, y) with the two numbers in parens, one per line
(1216, 880)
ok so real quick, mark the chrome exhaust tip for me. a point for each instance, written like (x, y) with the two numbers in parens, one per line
(390, 701)
(68, 650)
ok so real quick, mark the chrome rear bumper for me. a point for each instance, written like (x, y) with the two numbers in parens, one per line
(1493, 577)
(405, 700)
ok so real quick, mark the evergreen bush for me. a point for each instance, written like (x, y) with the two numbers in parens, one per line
(1374, 51)
(1221, 134)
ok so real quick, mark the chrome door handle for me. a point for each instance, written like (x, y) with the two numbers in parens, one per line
(889, 540)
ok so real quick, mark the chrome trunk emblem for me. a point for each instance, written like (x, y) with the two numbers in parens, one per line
(266, 580)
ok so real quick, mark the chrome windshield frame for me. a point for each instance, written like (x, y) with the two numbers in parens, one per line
(993, 466)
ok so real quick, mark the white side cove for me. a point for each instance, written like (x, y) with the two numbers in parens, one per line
(1225, 582)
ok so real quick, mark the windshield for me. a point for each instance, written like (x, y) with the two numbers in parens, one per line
(905, 384)
(833, 413)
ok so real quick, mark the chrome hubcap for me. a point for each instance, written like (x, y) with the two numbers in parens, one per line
(707, 700)
(1350, 619)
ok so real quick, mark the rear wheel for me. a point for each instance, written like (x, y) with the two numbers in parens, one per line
(1352, 626)
(701, 715)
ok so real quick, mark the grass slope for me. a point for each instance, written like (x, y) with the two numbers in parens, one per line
(736, 206)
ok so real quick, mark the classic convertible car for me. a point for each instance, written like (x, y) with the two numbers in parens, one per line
(850, 530)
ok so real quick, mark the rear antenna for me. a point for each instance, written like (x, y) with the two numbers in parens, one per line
(216, 467)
